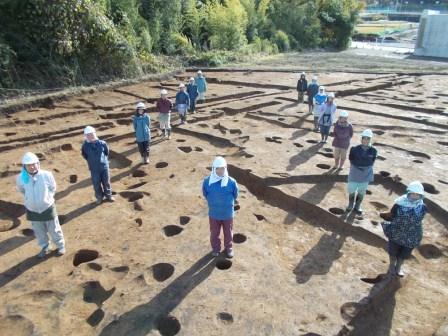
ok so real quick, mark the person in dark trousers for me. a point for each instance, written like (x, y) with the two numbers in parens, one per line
(220, 190)
(96, 153)
(182, 103)
(403, 226)
(312, 91)
(192, 90)
(142, 128)
(302, 86)
(362, 158)
(319, 100)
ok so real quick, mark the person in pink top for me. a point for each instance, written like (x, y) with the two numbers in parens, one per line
(343, 133)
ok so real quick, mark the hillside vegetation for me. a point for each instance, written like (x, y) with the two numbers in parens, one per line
(57, 43)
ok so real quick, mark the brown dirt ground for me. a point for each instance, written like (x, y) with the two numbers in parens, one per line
(299, 262)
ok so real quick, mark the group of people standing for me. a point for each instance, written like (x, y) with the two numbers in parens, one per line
(402, 226)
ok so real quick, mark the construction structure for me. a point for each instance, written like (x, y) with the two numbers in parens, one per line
(432, 38)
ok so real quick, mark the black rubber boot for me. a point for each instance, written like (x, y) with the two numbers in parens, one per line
(351, 201)
(392, 265)
(358, 202)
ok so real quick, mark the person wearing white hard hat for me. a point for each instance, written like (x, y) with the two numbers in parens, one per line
(312, 91)
(182, 103)
(221, 191)
(192, 90)
(201, 83)
(327, 117)
(38, 188)
(142, 128)
(343, 133)
(403, 226)
(362, 159)
(319, 100)
(302, 86)
(164, 106)
(96, 153)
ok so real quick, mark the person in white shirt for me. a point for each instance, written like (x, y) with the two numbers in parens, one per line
(38, 188)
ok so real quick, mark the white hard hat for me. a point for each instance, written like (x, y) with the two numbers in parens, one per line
(416, 187)
(314, 77)
(302, 74)
(181, 85)
(343, 114)
(29, 158)
(89, 130)
(199, 71)
(219, 162)
(367, 133)
(140, 106)
(163, 92)
(330, 95)
(321, 87)
(192, 78)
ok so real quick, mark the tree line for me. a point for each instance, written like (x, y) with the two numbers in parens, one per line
(45, 43)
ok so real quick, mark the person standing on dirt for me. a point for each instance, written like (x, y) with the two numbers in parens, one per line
(362, 158)
(201, 83)
(182, 103)
(192, 90)
(164, 106)
(319, 100)
(221, 191)
(96, 153)
(142, 128)
(403, 226)
(302, 86)
(343, 133)
(38, 188)
(312, 91)
(327, 117)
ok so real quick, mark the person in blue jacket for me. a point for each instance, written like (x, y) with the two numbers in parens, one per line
(312, 90)
(362, 158)
(96, 153)
(201, 82)
(182, 103)
(192, 90)
(142, 128)
(403, 226)
(319, 100)
(220, 191)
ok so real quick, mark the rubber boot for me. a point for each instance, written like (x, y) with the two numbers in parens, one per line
(169, 133)
(358, 202)
(165, 133)
(351, 201)
(392, 265)
(400, 262)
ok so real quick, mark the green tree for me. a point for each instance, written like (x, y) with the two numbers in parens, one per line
(338, 19)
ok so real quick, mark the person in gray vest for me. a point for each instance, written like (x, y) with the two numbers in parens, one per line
(38, 188)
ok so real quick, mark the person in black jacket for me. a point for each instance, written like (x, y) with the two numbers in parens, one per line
(302, 86)
(362, 158)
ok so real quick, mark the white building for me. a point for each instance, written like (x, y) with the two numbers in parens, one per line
(432, 39)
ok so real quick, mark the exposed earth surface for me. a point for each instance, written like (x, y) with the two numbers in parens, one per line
(302, 266)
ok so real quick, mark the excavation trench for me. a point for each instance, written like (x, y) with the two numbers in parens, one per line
(307, 212)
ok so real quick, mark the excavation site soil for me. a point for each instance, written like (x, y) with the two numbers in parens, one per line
(302, 266)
